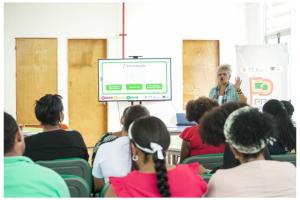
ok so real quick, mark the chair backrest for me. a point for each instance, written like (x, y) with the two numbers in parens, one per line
(104, 190)
(78, 187)
(71, 166)
(206, 177)
(209, 161)
(285, 157)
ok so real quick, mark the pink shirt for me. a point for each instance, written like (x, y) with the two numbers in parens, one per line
(197, 147)
(254, 179)
(183, 180)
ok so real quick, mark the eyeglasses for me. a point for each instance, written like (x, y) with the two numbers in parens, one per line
(222, 74)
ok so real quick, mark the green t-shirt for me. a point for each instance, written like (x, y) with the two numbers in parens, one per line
(24, 178)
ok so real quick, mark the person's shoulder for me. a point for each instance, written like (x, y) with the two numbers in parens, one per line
(70, 131)
(188, 168)
(116, 143)
(213, 89)
(107, 137)
(189, 132)
(280, 164)
(43, 171)
(36, 138)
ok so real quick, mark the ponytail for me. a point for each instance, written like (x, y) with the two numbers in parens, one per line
(161, 175)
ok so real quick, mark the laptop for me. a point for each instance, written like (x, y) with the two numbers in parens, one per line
(182, 121)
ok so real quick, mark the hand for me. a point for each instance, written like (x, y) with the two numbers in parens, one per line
(202, 169)
(238, 83)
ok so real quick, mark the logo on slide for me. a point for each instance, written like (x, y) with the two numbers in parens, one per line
(261, 86)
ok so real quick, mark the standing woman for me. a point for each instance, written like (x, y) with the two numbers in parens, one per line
(150, 140)
(53, 142)
(226, 91)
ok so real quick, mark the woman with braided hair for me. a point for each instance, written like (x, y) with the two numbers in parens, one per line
(150, 140)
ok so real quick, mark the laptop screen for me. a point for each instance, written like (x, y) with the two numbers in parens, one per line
(182, 121)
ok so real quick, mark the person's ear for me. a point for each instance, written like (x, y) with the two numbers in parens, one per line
(134, 150)
(61, 116)
(19, 143)
(122, 120)
(235, 152)
(19, 137)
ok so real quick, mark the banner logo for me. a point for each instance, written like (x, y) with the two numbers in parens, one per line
(261, 86)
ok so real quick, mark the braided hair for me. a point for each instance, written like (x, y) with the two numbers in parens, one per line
(148, 130)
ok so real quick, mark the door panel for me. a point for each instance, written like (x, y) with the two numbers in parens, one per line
(200, 60)
(86, 114)
(36, 74)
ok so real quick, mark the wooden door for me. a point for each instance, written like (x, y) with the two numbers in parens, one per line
(36, 74)
(200, 60)
(86, 114)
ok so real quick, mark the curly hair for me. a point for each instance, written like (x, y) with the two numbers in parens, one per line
(288, 106)
(286, 131)
(213, 122)
(151, 129)
(48, 109)
(250, 128)
(195, 109)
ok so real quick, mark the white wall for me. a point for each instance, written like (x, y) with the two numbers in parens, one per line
(56, 20)
(157, 30)
(153, 30)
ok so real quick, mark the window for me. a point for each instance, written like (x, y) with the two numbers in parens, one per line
(277, 22)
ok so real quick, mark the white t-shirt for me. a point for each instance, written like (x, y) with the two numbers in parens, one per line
(261, 178)
(220, 99)
(113, 159)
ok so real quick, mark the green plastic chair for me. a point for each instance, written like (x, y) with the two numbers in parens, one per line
(71, 166)
(206, 177)
(78, 187)
(103, 190)
(285, 157)
(209, 161)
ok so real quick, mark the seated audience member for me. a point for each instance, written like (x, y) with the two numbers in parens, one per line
(288, 107)
(290, 110)
(113, 157)
(192, 143)
(22, 177)
(150, 140)
(109, 136)
(212, 132)
(248, 132)
(53, 142)
(286, 138)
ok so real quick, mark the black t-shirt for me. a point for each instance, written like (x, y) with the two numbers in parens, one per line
(55, 144)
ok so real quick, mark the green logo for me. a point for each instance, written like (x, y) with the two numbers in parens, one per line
(261, 86)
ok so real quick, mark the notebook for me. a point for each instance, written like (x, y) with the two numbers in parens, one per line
(182, 121)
